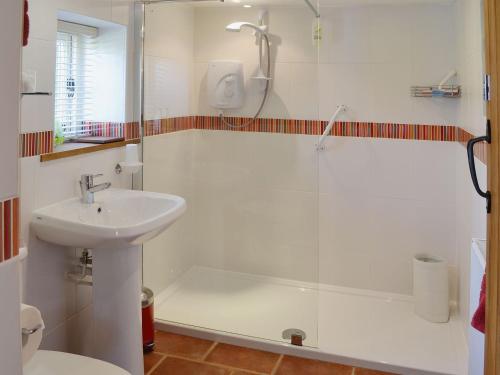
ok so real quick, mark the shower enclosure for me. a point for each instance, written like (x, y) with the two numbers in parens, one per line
(286, 241)
(244, 259)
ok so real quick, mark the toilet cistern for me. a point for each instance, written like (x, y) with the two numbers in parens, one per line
(88, 188)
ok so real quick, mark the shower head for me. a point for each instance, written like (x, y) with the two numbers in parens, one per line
(237, 26)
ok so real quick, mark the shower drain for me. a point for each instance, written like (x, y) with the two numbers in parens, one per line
(295, 335)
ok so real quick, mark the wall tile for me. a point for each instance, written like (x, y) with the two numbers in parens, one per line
(9, 229)
(28, 188)
(39, 13)
(121, 11)
(36, 143)
(345, 84)
(46, 286)
(168, 168)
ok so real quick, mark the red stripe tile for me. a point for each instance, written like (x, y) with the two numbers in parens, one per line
(15, 226)
(7, 233)
(1, 231)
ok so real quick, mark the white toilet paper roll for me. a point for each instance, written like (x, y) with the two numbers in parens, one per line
(430, 288)
(32, 327)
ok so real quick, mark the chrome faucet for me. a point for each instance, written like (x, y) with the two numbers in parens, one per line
(88, 188)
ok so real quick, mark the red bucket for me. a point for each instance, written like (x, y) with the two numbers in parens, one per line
(148, 320)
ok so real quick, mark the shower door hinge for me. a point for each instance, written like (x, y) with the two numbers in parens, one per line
(487, 87)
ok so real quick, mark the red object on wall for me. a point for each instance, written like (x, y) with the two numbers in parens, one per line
(479, 318)
(148, 329)
(26, 27)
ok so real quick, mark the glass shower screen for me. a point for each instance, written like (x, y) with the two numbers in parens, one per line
(230, 111)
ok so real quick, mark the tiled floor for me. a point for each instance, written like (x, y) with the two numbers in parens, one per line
(184, 355)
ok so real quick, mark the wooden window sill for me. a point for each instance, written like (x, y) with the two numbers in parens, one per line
(68, 150)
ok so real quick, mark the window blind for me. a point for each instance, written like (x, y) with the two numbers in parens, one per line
(74, 83)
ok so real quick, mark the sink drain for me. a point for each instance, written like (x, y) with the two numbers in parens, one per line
(295, 335)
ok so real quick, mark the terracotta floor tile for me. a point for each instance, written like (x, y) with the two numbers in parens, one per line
(179, 366)
(241, 372)
(243, 358)
(150, 360)
(364, 371)
(302, 366)
(182, 346)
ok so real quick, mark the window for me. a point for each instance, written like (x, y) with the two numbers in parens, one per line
(75, 78)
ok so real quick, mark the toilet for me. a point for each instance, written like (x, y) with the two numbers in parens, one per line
(46, 362)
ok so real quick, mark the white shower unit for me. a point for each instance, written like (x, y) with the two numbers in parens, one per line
(225, 84)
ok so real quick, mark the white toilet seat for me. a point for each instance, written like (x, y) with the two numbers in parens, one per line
(59, 363)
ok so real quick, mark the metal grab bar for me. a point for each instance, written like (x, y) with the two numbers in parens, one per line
(341, 108)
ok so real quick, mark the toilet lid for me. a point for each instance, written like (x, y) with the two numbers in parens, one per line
(59, 363)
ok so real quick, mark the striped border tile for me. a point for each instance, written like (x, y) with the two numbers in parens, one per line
(9, 229)
(32, 144)
(128, 130)
(131, 130)
(439, 133)
(39, 143)
(306, 127)
(394, 131)
(168, 125)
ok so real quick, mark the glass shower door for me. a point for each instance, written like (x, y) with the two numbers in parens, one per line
(244, 258)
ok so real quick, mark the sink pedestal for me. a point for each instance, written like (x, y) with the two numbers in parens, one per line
(117, 330)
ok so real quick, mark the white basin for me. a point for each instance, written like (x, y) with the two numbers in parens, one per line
(117, 218)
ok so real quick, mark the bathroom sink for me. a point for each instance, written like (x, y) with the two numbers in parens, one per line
(117, 218)
(113, 227)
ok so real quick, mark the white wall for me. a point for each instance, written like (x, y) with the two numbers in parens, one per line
(168, 167)
(382, 202)
(269, 204)
(65, 307)
(471, 217)
(10, 44)
(10, 327)
(168, 54)
(168, 158)
(256, 203)
(368, 59)
(10, 41)
(111, 75)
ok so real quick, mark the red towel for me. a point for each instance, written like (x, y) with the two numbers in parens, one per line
(479, 318)
(26, 27)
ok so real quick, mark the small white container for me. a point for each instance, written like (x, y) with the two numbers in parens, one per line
(430, 288)
(131, 164)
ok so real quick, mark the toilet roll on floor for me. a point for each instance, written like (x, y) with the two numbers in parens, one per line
(32, 327)
(430, 288)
